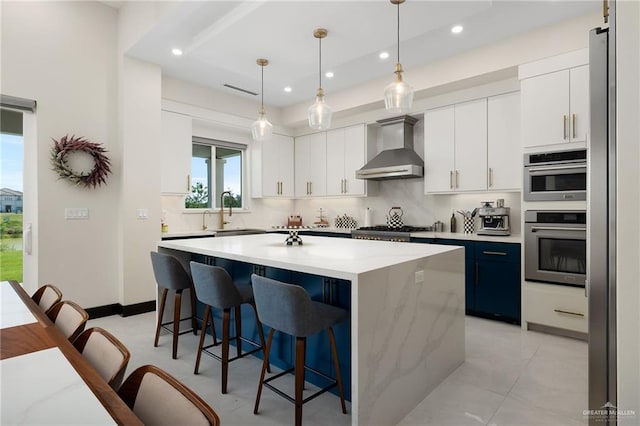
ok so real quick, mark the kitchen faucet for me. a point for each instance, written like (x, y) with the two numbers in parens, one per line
(204, 224)
(222, 222)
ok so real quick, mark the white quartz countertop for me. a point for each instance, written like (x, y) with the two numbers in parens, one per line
(334, 257)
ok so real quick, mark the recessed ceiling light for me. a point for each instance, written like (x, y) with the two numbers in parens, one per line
(383, 55)
(176, 51)
(457, 29)
(288, 89)
(329, 74)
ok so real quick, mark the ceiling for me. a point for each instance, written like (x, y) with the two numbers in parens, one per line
(221, 40)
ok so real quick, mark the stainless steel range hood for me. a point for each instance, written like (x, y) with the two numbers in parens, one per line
(398, 160)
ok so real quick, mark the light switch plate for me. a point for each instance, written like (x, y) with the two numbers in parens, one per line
(143, 214)
(76, 213)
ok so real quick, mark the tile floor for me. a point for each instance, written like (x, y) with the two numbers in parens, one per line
(510, 377)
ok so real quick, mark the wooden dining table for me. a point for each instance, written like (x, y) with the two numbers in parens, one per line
(44, 379)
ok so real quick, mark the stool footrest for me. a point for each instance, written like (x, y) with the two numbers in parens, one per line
(243, 354)
(333, 383)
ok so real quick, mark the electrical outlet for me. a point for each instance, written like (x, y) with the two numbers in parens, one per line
(143, 214)
(75, 213)
(419, 276)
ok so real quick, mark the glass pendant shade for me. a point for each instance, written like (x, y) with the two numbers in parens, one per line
(261, 129)
(319, 113)
(398, 96)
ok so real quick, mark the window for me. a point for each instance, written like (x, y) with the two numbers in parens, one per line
(209, 179)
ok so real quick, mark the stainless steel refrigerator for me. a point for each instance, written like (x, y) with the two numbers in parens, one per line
(601, 230)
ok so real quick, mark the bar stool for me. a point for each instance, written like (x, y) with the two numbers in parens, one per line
(171, 275)
(215, 288)
(289, 309)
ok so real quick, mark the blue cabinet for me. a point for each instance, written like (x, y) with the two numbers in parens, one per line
(492, 277)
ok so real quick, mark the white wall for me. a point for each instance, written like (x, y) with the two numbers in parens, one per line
(62, 54)
(628, 181)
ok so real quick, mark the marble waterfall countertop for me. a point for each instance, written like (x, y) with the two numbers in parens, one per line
(407, 309)
(333, 257)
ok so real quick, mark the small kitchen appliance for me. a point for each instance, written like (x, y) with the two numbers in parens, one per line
(493, 220)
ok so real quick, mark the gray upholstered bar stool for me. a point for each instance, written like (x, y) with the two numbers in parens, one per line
(171, 275)
(289, 309)
(215, 289)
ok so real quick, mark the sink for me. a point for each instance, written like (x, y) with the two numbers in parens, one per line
(232, 232)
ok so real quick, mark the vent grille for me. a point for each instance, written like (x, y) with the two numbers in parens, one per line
(239, 89)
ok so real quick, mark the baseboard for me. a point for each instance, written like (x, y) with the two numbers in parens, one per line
(118, 309)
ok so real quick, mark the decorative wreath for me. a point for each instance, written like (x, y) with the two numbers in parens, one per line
(101, 163)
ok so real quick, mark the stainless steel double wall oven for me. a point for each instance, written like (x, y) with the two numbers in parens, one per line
(555, 246)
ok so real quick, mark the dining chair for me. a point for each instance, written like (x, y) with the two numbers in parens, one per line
(108, 355)
(47, 296)
(69, 318)
(159, 399)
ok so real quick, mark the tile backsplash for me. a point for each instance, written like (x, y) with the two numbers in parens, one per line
(418, 209)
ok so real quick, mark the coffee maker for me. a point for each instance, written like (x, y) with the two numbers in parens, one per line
(494, 220)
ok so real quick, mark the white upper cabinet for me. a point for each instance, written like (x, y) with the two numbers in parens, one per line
(345, 155)
(176, 153)
(555, 100)
(473, 146)
(504, 152)
(455, 148)
(470, 146)
(311, 165)
(438, 150)
(272, 167)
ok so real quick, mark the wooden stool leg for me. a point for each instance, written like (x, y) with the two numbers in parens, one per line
(176, 322)
(260, 334)
(194, 322)
(238, 317)
(213, 328)
(299, 377)
(265, 364)
(336, 364)
(225, 347)
(163, 299)
(203, 332)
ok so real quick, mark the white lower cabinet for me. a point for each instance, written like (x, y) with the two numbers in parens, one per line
(272, 167)
(176, 153)
(555, 306)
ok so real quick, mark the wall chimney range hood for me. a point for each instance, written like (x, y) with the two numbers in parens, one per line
(398, 159)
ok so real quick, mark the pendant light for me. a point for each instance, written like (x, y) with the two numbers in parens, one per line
(261, 129)
(398, 95)
(320, 113)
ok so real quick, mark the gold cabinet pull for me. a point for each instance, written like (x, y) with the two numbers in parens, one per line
(457, 180)
(310, 188)
(188, 184)
(490, 177)
(573, 125)
(450, 179)
(564, 127)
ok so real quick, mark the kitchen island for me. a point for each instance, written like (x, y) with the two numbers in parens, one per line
(406, 309)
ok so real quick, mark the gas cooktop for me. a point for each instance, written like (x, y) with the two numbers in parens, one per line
(386, 233)
(400, 229)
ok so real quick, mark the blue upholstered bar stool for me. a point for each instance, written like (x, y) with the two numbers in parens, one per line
(171, 275)
(215, 289)
(288, 308)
